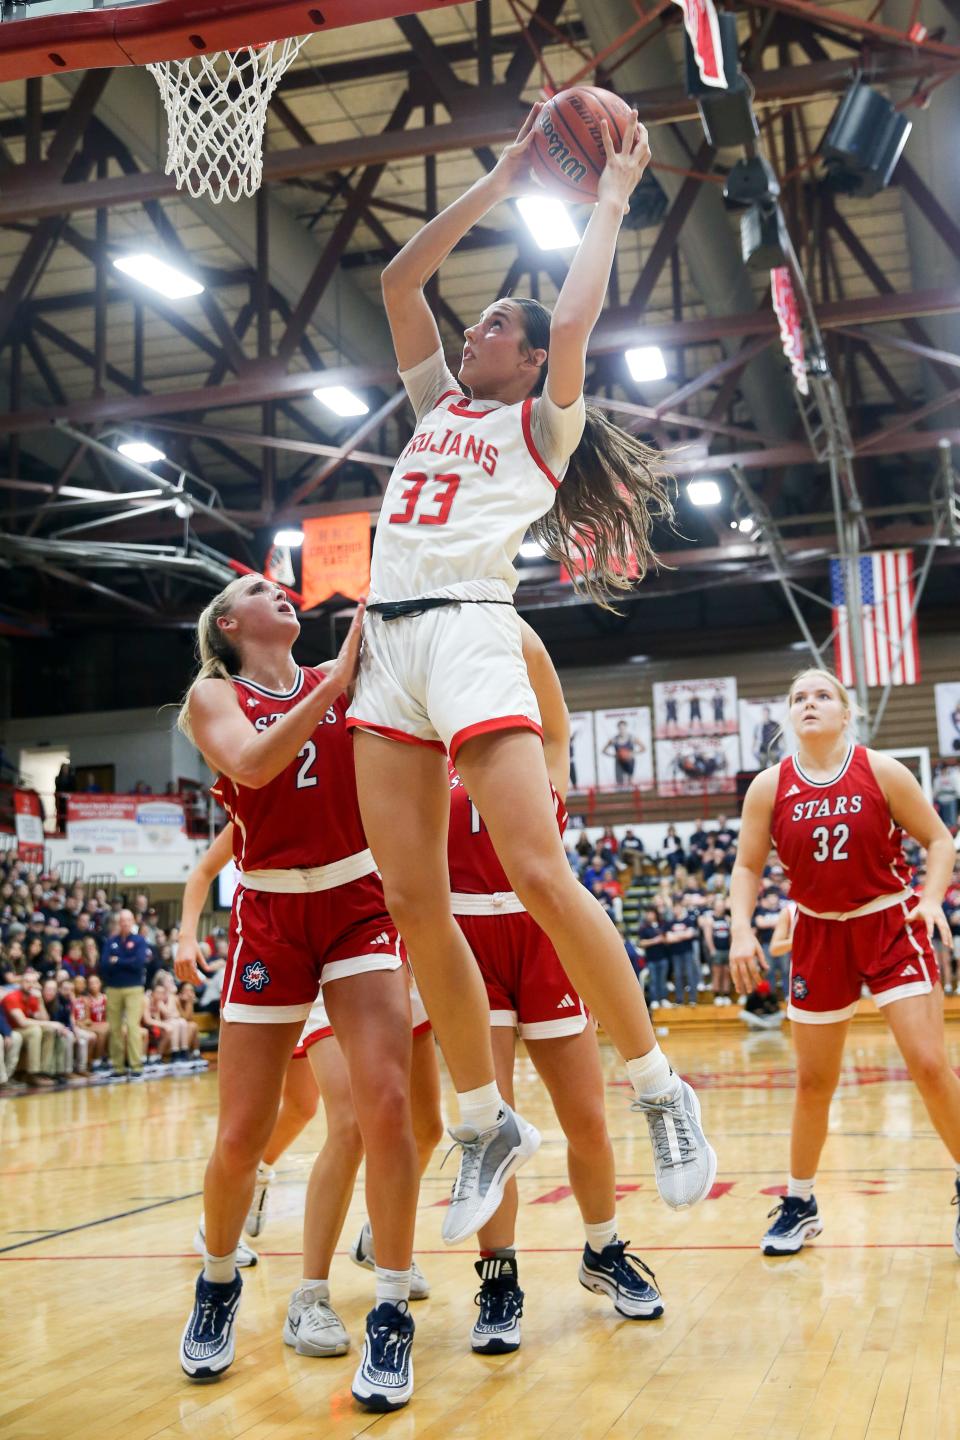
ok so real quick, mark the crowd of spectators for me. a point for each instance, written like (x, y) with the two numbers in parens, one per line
(677, 931)
(87, 991)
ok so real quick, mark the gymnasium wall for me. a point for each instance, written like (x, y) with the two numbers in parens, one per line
(140, 744)
(909, 720)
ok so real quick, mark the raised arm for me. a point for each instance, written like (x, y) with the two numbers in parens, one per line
(195, 892)
(414, 329)
(553, 709)
(252, 757)
(747, 960)
(581, 297)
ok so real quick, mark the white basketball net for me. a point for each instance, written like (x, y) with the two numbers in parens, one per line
(216, 115)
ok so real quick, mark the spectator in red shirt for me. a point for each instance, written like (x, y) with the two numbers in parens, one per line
(23, 1008)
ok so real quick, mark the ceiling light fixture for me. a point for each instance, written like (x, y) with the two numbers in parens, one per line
(646, 363)
(158, 275)
(341, 401)
(704, 492)
(549, 222)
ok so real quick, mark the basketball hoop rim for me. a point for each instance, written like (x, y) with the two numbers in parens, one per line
(160, 30)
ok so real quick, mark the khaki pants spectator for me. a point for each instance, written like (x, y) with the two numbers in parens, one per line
(10, 1055)
(32, 1052)
(124, 1006)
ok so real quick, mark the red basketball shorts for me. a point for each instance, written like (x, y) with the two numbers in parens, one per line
(283, 947)
(833, 959)
(526, 984)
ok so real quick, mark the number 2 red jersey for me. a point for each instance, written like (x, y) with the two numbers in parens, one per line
(474, 866)
(836, 838)
(307, 815)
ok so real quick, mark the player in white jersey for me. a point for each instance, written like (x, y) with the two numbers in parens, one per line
(505, 447)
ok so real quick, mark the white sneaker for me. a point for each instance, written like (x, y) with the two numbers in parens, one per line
(256, 1221)
(685, 1163)
(487, 1160)
(312, 1325)
(361, 1253)
(245, 1255)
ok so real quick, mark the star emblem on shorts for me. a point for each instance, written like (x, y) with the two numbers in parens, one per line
(255, 976)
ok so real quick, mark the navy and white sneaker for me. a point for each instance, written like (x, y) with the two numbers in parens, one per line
(384, 1378)
(797, 1222)
(684, 1161)
(207, 1346)
(629, 1283)
(361, 1253)
(487, 1160)
(497, 1330)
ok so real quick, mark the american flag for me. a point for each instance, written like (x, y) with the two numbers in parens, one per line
(886, 595)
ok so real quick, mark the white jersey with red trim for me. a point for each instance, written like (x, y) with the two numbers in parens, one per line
(462, 494)
(308, 815)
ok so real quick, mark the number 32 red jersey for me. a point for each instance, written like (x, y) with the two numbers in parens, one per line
(307, 815)
(837, 839)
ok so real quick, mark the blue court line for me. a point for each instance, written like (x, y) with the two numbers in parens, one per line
(105, 1220)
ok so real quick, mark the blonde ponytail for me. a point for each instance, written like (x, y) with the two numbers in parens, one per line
(218, 658)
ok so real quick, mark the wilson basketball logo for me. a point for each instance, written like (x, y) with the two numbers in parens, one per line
(559, 152)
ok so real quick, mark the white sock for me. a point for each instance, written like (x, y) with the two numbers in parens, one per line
(265, 1172)
(650, 1074)
(600, 1236)
(481, 1107)
(219, 1269)
(392, 1285)
(800, 1189)
(322, 1285)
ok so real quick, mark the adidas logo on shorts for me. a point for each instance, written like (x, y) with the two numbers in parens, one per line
(382, 939)
(567, 1003)
(909, 970)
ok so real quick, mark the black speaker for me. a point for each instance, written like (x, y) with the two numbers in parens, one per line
(864, 141)
(763, 236)
(749, 182)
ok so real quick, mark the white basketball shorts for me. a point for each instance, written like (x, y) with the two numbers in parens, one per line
(443, 676)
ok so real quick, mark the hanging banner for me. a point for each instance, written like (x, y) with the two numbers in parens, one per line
(624, 749)
(335, 558)
(698, 765)
(125, 824)
(791, 332)
(765, 736)
(701, 25)
(583, 755)
(695, 707)
(279, 567)
(28, 817)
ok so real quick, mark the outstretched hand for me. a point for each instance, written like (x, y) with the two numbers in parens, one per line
(624, 168)
(344, 669)
(512, 171)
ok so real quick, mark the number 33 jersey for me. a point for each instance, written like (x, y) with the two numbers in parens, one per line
(836, 838)
(308, 815)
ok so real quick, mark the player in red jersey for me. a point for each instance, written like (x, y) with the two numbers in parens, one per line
(529, 994)
(506, 446)
(836, 813)
(309, 910)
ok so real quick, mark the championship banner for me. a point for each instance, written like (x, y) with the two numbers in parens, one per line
(335, 558)
(703, 29)
(791, 332)
(695, 707)
(624, 749)
(28, 817)
(125, 824)
(698, 765)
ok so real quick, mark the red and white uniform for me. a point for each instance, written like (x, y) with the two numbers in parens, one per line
(318, 1025)
(527, 987)
(309, 907)
(465, 489)
(842, 851)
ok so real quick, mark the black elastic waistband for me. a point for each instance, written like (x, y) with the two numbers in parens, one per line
(400, 609)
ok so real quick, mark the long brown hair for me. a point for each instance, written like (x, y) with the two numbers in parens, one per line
(613, 490)
(218, 658)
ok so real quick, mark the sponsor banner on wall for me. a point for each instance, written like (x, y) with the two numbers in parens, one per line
(28, 817)
(698, 765)
(624, 748)
(583, 755)
(125, 824)
(947, 700)
(765, 736)
(695, 707)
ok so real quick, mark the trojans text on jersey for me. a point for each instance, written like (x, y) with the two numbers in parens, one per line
(450, 443)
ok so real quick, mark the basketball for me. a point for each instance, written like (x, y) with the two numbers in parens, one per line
(568, 154)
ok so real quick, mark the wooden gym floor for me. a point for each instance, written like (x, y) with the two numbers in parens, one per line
(857, 1337)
